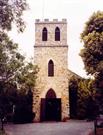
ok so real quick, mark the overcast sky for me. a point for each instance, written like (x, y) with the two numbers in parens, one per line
(76, 12)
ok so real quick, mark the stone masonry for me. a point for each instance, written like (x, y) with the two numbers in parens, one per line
(57, 51)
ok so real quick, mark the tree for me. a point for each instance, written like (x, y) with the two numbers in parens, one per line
(15, 74)
(92, 52)
(92, 37)
(86, 91)
(11, 11)
(13, 67)
(80, 91)
(27, 77)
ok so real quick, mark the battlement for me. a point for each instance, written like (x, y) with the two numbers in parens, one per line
(51, 21)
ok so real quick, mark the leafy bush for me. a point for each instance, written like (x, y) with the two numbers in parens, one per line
(87, 105)
(85, 90)
(23, 109)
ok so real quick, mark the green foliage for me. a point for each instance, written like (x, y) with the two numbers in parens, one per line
(92, 37)
(13, 67)
(15, 74)
(85, 90)
(11, 11)
(27, 77)
(95, 23)
(10, 64)
(23, 108)
(92, 53)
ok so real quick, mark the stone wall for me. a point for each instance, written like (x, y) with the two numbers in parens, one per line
(57, 51)
(51, 25)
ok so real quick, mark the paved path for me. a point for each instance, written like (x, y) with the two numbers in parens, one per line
(54, 128)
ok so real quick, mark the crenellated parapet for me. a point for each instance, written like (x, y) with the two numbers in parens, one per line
(50, 26)
(51, 21)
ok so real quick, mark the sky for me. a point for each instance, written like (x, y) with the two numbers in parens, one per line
(77, 12)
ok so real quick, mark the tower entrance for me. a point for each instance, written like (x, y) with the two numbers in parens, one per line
(51, 107)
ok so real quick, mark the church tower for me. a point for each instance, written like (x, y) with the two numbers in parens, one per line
(51, 94)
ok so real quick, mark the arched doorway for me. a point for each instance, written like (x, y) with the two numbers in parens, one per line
(50, 107)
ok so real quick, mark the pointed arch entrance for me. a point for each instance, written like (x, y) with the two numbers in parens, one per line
(50, 107)
(51, 94)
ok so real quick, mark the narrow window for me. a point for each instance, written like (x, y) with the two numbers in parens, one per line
(50, 68)
(57, 34)
(44, 34)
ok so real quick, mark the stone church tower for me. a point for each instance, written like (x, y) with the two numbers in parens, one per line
(51, 94)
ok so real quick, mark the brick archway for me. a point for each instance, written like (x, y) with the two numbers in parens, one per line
(50, 107)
